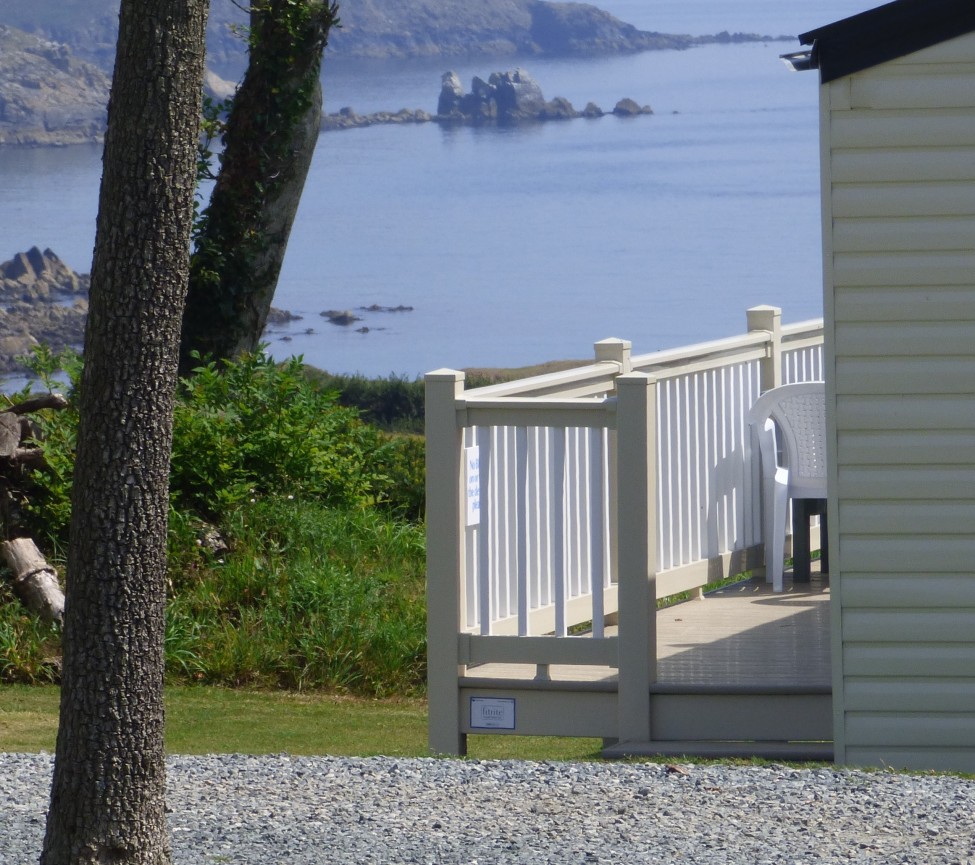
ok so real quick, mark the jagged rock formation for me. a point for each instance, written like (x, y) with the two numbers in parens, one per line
(35, 275)
(42, 300)
(47, 96)
(509, 97)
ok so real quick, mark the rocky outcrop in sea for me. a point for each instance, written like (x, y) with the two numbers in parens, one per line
(509, 97)
(506, 97)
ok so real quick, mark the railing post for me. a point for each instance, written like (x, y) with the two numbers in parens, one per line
(769, 319)
(446, 516)
(618, 350)
(636, 426)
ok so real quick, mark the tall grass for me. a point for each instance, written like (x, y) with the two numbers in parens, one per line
(30, 650)
(322, 582)
(309, 597)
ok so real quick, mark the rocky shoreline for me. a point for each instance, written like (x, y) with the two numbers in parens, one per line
(44, 302)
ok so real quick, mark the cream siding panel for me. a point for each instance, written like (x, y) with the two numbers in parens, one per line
(947, 554)
(911, 91)
(884, 234)
(899, 591)
(922, 339)
(898, 375)
(911, 659)
(953, 730)
(905, 268)
(900, 626)
(908, 483)
(905, 303)
(905, 412)
(931, 198)
(916, 694)
(901, 447)
(949, 127)
(889, 165)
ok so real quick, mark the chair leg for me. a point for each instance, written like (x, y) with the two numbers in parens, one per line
(775, 553)
(824, 541)
(800, 540)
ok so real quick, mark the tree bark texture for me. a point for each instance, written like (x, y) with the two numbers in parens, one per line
(35, 581)
(108, 792)
(269, 141)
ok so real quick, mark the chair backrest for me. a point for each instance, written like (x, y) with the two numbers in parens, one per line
(799, 412)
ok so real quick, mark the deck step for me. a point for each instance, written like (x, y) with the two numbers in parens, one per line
(791, 751)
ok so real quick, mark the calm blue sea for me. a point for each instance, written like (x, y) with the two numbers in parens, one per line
(516, 246)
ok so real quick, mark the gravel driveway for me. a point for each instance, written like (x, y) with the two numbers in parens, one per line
(282, 810)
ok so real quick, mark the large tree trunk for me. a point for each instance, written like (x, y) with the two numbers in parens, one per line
(269, 141)
(108, 792)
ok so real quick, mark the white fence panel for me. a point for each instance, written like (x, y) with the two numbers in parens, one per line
(704, 504)
(802, 364)
(543, 535)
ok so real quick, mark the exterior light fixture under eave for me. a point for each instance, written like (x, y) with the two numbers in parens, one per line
(798, 61)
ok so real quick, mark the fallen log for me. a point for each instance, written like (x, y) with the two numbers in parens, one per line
(35, 582)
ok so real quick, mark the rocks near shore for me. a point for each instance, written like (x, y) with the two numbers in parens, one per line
(42, 300)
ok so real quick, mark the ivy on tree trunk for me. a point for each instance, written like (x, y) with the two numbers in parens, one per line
(269, 140)
(108, 792)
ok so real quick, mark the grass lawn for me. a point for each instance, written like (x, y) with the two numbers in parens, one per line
(207, 720)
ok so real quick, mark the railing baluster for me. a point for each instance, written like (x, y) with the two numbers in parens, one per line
(489, 522)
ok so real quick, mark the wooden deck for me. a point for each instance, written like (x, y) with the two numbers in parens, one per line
(742, 635)
(745, 634)
(744, 671)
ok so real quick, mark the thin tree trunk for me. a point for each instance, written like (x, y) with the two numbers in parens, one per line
(108, 791)
(269, 141)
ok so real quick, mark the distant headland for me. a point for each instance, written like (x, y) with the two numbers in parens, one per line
(55, 68)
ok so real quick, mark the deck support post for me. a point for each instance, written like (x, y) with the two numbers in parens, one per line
(769, 319)
(445, 558)
(637, 496)
(617, 350)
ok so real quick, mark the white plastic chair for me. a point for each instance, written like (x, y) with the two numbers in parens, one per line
(790, 420)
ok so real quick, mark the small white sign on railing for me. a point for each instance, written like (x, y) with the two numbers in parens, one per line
(472, 463)
(492, 713)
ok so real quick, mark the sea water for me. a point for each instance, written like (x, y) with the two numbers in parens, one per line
(517, 245)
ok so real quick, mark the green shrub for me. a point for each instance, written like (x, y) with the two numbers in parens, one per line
(46, 494)
(253, 427)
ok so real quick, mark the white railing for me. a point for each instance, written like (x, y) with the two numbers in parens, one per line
(568, 498)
